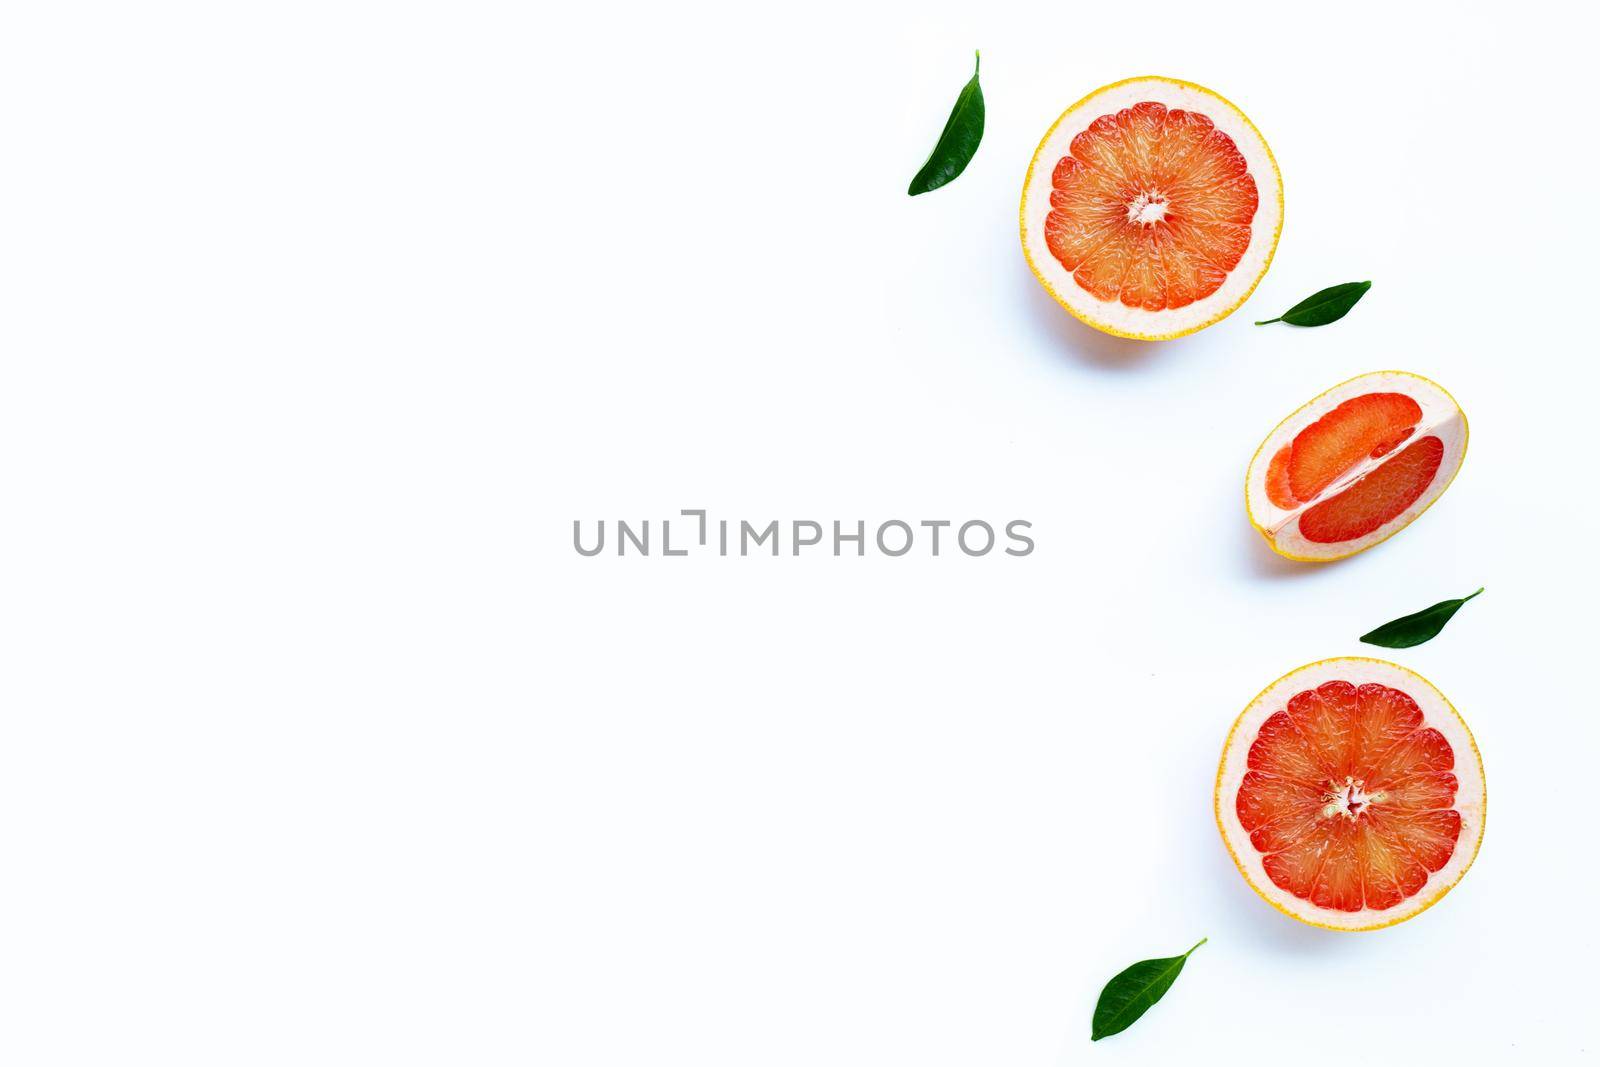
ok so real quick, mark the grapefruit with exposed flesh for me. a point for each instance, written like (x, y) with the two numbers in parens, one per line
(1355, 465)
(1151, 208)
(1351, 794)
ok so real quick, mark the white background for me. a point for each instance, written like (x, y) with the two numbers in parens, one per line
(323, 321)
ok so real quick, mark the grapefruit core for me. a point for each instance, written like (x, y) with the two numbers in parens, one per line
(1151, 208)
(1351, 794)
(1355, 465)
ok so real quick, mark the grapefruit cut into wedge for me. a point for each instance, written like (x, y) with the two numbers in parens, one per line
(1151, 208)
(1351, 794)
(1355, 466)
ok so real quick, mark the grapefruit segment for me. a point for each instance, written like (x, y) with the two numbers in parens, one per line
(1377, 498)
(1368, 425)
(1279, 491)
(1350, 794)
(1151, 208)
(1355, 465)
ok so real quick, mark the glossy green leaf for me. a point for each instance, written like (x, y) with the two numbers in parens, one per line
(1415, 629)
(1320, 308)
(1133, 992)
(959, 141)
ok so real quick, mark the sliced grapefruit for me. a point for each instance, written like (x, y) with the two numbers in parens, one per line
(1355, 465)
(1151, 208)
(1351, 794)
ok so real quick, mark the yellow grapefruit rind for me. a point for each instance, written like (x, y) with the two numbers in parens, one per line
(1250, 470)
(1104, 327)
(1433, 895)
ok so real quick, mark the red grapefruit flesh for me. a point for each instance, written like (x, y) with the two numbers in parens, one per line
(1151, 208)
(1368, 425)
(1376, 499)
(1351, 794)
(1355, 465)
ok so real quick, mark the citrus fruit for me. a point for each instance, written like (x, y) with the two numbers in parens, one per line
(1350, 794)
(1355, 465)
(1151, 208)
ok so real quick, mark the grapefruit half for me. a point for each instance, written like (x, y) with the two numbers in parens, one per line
(1355, 466)
(1151, 208)
(1351, 794)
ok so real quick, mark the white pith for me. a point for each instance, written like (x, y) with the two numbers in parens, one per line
(1441, 418)
(1436, 712)
(1349, 798)
(1148, 208)
(1112, 315)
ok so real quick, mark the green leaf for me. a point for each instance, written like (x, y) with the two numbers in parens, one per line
(1133, 992)
(1415, 629)
(959, 141)
(1320, 308)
